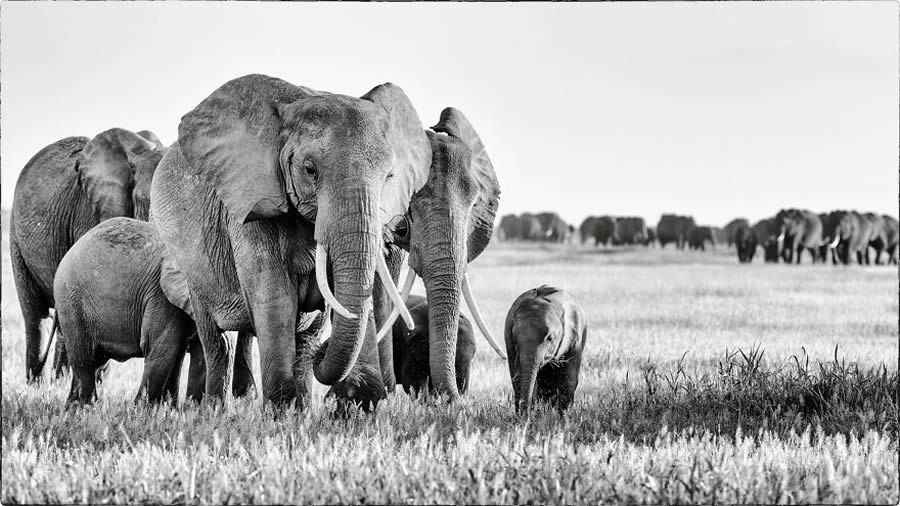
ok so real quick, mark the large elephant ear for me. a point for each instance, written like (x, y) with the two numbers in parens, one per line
(481, 225)
(106, 168)
(232, 141)
(412, 151)
(150, 136)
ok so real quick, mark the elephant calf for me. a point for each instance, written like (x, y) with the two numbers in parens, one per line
(545, 335)
(411, 358)
(111, 306)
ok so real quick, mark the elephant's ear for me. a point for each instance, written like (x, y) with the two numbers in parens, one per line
(481, 225)
(412, 151)
(232, 140)
(106, 168)
(150, 136)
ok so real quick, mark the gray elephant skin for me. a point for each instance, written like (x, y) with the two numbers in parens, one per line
(121, 315)
(746, 242)
(698, 237)
(553, 227)
(848, 234)
(798, 230)
(599, 229)
(411, 350)
(545, 333)
(63, 191)
(731, 229)
(629, 230)
(766, 236)
(674, 229)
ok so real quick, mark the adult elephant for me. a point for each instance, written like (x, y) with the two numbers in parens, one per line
(798, 230)
(600, 230)
(509, 228)
(531, 227)
(629, 230)
(745, 240)
(586, 229)
(880, 237)
(448, 225)
(674, 228)
(63, 191)
(699, 236)
(731, 229)
(892, 234)
(767, 236)
(848, 233)
(553, 227)
(271, 194)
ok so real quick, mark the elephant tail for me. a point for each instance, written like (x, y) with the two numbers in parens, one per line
(42, 359)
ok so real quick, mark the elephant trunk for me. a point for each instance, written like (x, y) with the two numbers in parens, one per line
(444, 268)
(348, 226)
(528, 367)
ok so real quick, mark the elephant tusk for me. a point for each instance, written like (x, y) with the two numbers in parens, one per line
(392, 292)
(780, 238)
(476, 314)
(407, 287)
(322, 281)
(833, 244)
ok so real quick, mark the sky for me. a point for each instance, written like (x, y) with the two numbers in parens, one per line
(717, 110)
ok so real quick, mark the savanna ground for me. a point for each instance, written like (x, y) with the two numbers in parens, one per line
(704, 381)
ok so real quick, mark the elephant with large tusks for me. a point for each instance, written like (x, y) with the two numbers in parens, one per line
(847, 233)
(63, 191)
(449, 224)
(272, 195)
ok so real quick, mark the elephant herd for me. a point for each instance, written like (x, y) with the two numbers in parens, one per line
(842, 235)
(839, 235)
(284, 214)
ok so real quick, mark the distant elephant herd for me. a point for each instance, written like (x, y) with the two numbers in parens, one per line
(841, 236)
(283, 214)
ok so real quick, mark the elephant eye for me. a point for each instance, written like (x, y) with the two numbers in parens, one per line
(389, 176)
(310, 168)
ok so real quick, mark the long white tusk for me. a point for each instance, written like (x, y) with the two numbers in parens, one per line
(407, 287)
(781, 237)
(388, 283)
(322, 281)
(476, 314)
(833, 244)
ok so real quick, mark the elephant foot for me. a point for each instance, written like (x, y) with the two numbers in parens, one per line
(361, 390)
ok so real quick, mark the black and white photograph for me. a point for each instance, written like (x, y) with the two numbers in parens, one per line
(450, 253)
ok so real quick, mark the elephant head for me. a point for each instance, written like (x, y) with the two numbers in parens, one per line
(115, 169)
(270, 148)
(449, 223)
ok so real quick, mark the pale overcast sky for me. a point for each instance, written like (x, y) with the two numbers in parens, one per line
(716, 109)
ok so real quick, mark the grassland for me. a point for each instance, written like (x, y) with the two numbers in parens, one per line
(705, 381)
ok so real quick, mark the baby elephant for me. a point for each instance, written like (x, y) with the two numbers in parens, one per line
(110, 306)
(545, 335)
(411, 363)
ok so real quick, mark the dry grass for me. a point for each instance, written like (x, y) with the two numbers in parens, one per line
(668, 409)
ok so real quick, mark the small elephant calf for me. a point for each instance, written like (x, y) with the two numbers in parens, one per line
(411, 355)
(110, 306)
(545, 335)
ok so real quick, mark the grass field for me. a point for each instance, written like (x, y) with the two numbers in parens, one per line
(704, 381)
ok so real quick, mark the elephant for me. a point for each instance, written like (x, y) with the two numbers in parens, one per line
(531, 228)
(847, 233)
(411, 350)
(745, 240)
(509, 229)
(629, 230)
(698, 237)
(553, 227)
(767, 237)
(545, 333)
(675, 229)
(892, 234)
(600, 229)
(798, 230)
(110, 306)
(731, 230)
(63, 191)
(447, 226)
(880, 238)
(266, 182)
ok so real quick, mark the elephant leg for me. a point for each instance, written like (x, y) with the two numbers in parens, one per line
(866, 255)
(878, 256)
(174, 378)
(243, 383)
(61, 358)
(34, 309)
(218, 351)
(306, 342)
(84, 386)
(196, 371)
(799, 253)
(165, 338)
